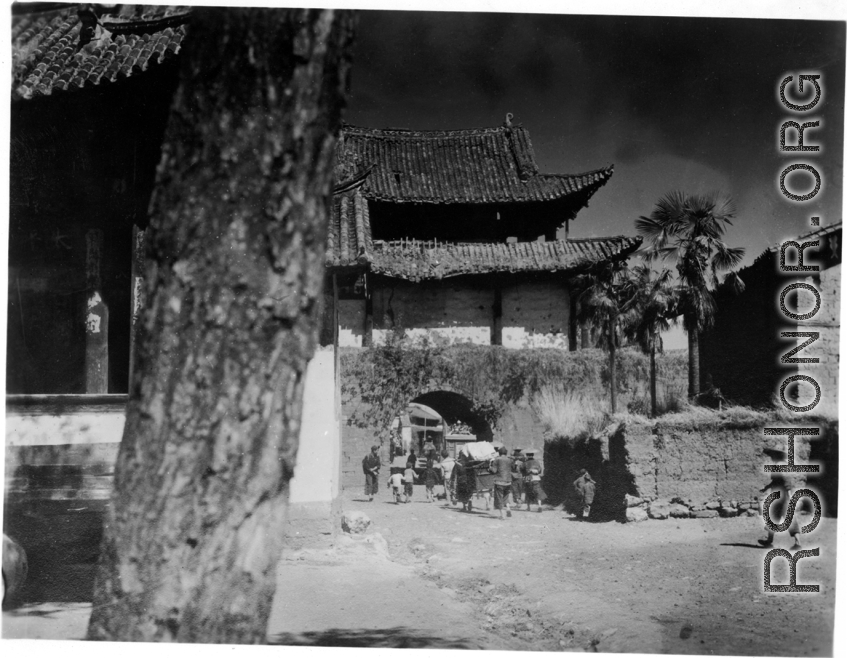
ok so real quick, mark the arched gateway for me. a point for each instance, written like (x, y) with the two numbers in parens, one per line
(442, 419)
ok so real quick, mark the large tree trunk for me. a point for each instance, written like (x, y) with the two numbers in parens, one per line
(613, 368)
(653, 396)
(693, 364)
(234, 273)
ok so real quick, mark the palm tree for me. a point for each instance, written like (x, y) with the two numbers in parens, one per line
(608, 295)
(651, 315)
(691, 227)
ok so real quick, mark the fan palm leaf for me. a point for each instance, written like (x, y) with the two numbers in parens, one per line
(691, 228)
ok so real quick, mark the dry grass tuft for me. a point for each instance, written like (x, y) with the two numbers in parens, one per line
(570, 414)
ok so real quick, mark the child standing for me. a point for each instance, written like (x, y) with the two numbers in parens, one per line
(430, 479)
(409, 478)
(395, 483)
(447, 464)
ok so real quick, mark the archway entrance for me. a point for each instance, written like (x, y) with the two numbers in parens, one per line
(444, 420)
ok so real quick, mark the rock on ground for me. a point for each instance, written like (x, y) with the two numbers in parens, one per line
(678, 511)
(632, 501)
(355, 522)
(635, 514)
(659, 509)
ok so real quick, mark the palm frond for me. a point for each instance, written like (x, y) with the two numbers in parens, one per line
(727, 258)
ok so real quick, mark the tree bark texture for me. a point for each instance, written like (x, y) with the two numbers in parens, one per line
(234, 275)
(693, 364)
(653, 393)
(613, 368)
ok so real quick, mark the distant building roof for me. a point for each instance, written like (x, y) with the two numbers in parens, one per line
(350, 244)
(480, 165)
(417, 261)
(72, 48)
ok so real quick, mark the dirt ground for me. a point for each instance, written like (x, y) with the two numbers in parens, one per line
(430, 575)
(548, 582)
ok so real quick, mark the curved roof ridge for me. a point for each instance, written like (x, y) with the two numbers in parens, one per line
(600, 239)
(607, 170)
(414, 132)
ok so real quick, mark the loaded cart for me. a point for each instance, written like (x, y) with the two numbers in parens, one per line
(476, 458)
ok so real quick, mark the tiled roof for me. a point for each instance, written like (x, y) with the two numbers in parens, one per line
(349, 237)
(484, 165)
(350, 244)
(416, 261)
(45, 47)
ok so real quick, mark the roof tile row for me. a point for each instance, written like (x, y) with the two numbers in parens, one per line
(483, 165)
(416, 261)
(350, 243)
(46, 55)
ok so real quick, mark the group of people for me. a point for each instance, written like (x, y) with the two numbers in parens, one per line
(516, 481)
(515, 478)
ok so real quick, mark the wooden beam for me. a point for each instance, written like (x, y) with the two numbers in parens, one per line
(572, 323)
(367, 338)
(96, 318)
(497, 317)
(136, 294)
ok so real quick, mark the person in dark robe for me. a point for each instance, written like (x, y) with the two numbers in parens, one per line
(431, 479)
(370, 465)
(517, 476)
(463, 485)
(533, 470)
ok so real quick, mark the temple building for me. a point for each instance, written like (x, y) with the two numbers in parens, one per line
(457, 233)
(453, 233)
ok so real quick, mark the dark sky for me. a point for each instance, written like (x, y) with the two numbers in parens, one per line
(674, 103)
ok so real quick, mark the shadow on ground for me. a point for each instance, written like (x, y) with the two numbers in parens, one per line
(399, 637)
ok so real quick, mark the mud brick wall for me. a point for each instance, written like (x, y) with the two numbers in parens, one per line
(699, 464)
(740, 354)
(826, 348)
(351, 322)
(702, 463)
(532, 313)
(461, 311)
(536, 314)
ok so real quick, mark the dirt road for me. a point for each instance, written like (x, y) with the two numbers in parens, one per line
(426, 575)
(548, 582)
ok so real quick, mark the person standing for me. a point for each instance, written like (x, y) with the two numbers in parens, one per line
(462, 485)
(517, 476)
(533, 470)
(395, 482)
(447, 465)
(430, 478)
(585, 488)
(783, 485)
(409, 477)
(371, 465)
(428, 449)
(502, 469)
